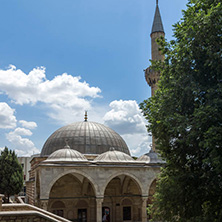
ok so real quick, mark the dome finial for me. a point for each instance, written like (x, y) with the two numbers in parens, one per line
(86, 116)
(111, 149)
(67, 144)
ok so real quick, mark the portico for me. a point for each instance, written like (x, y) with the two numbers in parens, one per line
(87, 190)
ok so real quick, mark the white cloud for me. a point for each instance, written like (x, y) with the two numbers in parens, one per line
(22, 146)
(64, 94)
(66, 98)
(21, 132)
(139, 144)
(29, 125)
(7, 118)
(126, 118)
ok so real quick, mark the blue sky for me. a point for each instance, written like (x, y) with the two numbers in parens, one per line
(59, 58)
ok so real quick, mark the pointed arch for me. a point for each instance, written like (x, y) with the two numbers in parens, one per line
(133, 177)
(73, 171)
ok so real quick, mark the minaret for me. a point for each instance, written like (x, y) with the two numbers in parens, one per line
(151, 76)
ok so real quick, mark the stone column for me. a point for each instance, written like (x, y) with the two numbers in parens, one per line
(144, 212)
(99, 202)
(1, 196)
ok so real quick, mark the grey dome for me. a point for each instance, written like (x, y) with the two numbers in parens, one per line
(85, 137)
(66, 155)
(113, 156)
(151, 157)
(144, 158)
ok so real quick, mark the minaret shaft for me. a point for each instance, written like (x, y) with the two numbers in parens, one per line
(152, 76)
(156, 54)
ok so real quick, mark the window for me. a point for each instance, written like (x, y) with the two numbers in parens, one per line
(126, 213)
(82, 215)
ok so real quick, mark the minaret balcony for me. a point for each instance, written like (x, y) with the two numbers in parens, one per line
(152, 77)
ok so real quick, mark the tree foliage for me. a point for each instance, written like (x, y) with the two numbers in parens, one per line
(11, 174)
(185, 117)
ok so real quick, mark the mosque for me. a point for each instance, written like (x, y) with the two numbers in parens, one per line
(85, 171)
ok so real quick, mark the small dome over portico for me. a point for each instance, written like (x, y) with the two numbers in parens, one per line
(151, 157)
(66, 155)
(114, 156)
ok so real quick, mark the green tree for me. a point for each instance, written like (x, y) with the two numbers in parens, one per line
(11, 174)
(185, 117)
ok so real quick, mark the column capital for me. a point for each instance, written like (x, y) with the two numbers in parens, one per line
(44, 204)
(145, 198)
(99, 199)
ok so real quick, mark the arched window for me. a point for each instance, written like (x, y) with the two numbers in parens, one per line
(127, 209)
(82, 206)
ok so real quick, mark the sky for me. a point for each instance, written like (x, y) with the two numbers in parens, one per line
(60, 58)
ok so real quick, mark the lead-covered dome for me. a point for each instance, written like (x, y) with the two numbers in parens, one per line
(66, 155)
(151, 157)
(85, 137)
(113, 156)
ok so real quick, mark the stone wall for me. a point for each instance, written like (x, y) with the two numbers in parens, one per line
(27, 213)
(34, 163)
(30, 185)
(30, 191)
(23, 218)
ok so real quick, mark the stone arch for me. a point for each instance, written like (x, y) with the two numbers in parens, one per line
(78, 198)
(150, 192)
(71, 171)
(127, 201)
(152, 181)
(126, 191)
(58, 204)
(82, 203)
(134, 178)
(58, 207)
(152, 189)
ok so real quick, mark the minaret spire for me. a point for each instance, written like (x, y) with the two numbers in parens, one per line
(157, 22)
